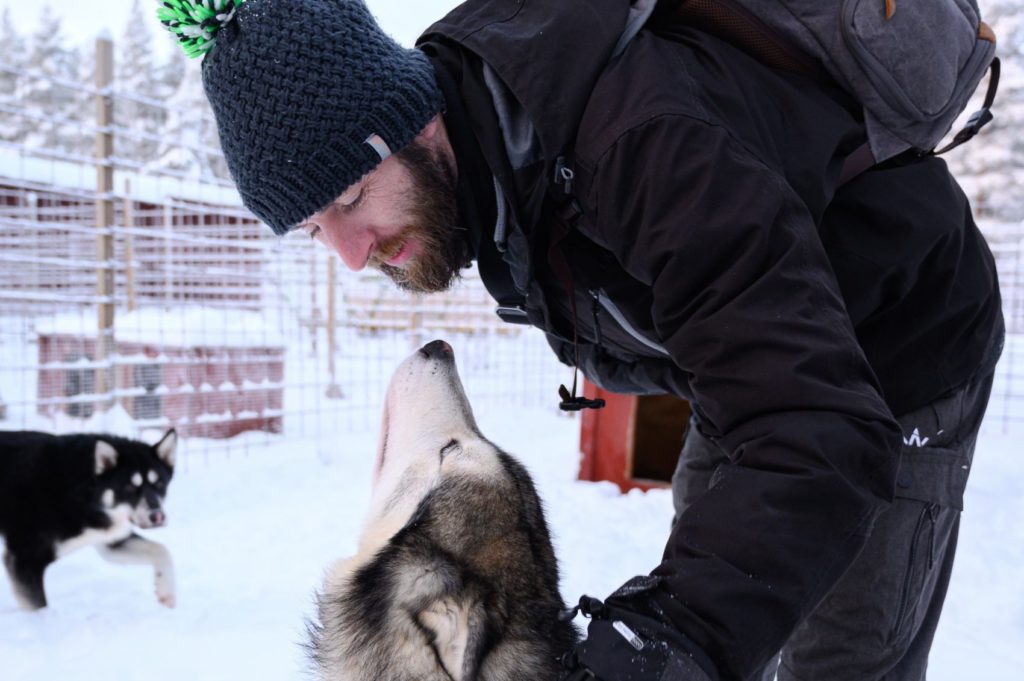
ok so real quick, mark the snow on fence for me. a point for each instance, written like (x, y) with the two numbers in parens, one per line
(137, 294)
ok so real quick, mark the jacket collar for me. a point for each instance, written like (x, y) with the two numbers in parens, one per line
(477, 191)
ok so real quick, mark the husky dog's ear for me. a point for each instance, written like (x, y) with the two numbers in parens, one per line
(457, 633)
(106, 457)
(165, 448)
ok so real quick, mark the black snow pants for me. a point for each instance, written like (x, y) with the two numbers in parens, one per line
(878, 622)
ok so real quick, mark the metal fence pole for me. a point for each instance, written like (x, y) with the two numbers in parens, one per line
(333, 390)
(129, 246)
(104, 217)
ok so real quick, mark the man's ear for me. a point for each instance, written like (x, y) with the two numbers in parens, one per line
(434, 136)
(430, 131)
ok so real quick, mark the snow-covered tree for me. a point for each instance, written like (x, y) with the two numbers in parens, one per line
(54, 106)
(138, 83)
(171, 71)
(190, 132)
(12, 60)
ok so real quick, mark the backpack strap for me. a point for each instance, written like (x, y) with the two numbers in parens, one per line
(859, 160)
(982, 116)
(734, 24)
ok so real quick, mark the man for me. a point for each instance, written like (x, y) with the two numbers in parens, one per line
(668, 210)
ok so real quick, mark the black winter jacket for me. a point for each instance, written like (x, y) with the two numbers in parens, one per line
(712, 257)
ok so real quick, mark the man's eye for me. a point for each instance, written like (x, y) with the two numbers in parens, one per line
(347, 207)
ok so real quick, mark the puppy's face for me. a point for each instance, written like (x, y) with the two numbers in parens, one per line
(132, 478)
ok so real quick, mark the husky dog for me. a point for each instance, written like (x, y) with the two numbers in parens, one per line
(454, 577)
(59, 493)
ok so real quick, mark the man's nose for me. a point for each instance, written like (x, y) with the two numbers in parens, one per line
(353, 245)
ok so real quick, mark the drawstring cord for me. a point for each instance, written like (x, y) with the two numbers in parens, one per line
(567, 213)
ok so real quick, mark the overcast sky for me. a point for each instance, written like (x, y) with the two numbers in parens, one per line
(84, 20)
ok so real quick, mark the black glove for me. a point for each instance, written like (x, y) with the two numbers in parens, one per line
(633, 644)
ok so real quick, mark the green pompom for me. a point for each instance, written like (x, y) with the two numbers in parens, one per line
(196, 22)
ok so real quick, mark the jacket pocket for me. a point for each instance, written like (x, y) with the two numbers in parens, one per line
(914, 593)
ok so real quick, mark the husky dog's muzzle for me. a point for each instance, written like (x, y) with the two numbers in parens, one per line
(425, 408)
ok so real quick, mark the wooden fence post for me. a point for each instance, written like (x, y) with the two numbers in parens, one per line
(104, 220)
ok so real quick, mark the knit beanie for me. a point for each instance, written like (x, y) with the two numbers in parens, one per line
(309, 96)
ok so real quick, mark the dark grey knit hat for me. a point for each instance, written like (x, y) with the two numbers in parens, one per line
(309, 96)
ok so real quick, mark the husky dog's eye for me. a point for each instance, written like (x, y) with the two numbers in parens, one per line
(452, 446)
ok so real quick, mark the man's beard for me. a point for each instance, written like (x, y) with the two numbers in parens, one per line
(432, 222)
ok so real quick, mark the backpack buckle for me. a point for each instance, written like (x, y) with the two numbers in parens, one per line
(978, 120)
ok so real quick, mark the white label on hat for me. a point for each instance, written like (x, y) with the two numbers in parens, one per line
(379, 145)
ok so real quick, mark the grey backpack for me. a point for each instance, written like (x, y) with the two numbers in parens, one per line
(912, 65)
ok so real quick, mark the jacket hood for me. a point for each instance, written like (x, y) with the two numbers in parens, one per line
(575, 38)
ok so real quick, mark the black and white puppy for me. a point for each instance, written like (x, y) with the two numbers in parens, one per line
(59, 493)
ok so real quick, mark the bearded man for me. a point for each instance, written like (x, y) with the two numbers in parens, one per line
(671, 212)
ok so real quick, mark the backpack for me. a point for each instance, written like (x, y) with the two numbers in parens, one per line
(912, 65)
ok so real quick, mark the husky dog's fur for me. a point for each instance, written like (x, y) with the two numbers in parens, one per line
(59, 493)
(454, 577)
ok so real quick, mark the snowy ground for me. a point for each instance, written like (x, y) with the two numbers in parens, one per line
(251, 537)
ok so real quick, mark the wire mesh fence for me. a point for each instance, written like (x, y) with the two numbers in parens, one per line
(218, 329)
(136, 293)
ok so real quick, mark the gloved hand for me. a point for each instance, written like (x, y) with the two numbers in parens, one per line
(626, 645)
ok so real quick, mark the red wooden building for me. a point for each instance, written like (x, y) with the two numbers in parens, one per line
(213, 391)
(633, 441)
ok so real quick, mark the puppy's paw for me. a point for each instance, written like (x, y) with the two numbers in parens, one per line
(165, 593)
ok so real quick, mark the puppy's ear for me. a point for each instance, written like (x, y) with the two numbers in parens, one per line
(166, 447)
(105, 456)
(456, 631)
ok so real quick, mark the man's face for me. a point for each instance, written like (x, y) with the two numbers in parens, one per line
(401, 219)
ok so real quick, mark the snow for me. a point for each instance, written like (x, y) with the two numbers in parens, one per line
(251, 537)
(252, 533)
(176, 327)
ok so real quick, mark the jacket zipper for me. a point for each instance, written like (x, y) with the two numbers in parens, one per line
(595, 307)
(600, 297)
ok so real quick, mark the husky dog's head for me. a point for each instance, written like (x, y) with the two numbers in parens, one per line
(132, 477)
(455, 577)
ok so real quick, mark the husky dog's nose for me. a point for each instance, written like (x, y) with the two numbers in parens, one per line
(157, 518)
(437, 350)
